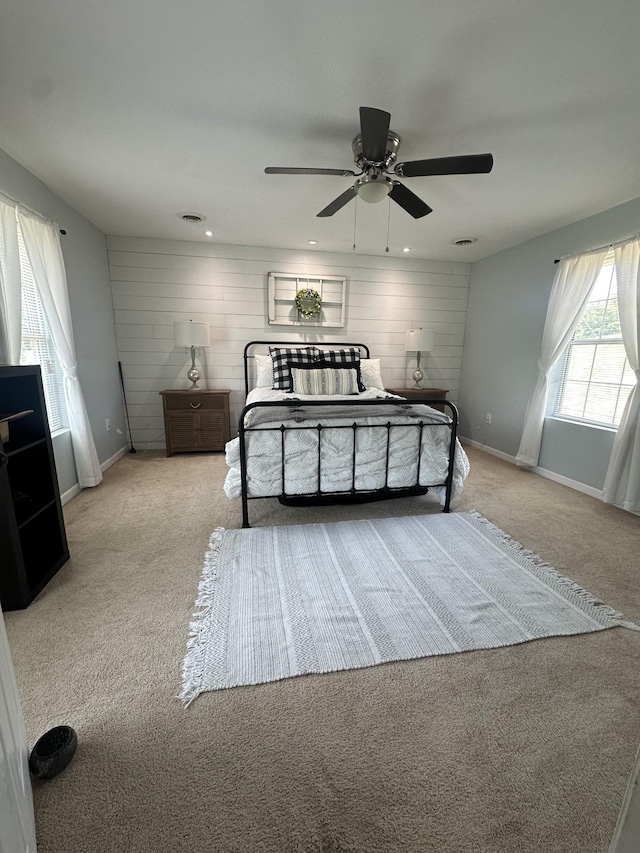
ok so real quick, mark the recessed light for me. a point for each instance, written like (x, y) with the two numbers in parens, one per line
(406, 249)
(208, 233)
(313, 242)
(464, 241)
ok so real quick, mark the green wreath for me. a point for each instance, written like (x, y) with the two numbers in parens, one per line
(308, 302)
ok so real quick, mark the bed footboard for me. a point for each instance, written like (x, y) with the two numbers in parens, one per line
(322, 461)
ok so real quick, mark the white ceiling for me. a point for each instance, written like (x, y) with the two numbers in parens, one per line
(136, 110)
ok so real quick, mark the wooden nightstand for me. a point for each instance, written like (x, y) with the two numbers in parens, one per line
(195, 420)
(421, 394)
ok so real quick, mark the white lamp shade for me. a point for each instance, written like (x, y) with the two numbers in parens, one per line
(190, 333)
(419, 340)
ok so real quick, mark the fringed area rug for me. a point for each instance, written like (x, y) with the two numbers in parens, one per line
(275, 602)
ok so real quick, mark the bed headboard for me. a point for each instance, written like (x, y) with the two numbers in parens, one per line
(257, 346)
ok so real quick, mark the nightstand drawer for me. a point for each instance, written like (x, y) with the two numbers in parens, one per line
(192, 401)
(425, 394)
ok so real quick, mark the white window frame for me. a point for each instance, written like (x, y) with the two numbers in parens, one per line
(37, 345)
(282, 289)
(562, 372)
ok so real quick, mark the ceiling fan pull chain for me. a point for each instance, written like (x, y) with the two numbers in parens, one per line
(388, 221)
(355, 218)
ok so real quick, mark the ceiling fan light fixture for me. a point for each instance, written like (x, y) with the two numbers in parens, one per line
(373, 188)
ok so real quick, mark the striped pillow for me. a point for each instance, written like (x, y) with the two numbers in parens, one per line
(324, 380)
(348, 357)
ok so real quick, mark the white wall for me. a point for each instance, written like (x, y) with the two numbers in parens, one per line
(85, 257)
(155, 282)
(508, 301)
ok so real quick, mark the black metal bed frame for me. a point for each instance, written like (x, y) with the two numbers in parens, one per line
(353, 494)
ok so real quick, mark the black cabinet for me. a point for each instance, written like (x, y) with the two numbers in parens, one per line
(33, 543)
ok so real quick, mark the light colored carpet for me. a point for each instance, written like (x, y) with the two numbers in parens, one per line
(524, 749)
(276, 602)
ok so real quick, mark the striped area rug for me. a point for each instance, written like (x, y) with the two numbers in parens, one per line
(275, 602)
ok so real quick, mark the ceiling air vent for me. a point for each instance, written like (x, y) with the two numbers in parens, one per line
(464, 241)
(193, 218)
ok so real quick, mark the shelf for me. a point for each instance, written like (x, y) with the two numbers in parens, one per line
(24, 447)
(30, 491)
(43, 545)
(33, 541)
(34, 515)
(20, 392)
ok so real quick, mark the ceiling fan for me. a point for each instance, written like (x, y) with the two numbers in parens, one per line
(375, 150)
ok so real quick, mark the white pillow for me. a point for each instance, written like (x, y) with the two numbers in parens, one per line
(264, 371)
(370, 373)
(324, 380)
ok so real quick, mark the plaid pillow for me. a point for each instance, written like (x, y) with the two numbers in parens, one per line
(281, 355)
(349, 357)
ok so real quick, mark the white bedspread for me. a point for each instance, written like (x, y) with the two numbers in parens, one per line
(264, 464)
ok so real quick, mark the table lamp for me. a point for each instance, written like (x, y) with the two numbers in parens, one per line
(190, 333)
(418, 341)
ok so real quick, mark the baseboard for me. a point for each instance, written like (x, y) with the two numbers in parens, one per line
(487, 449)
(543, 472)
(65, 497)
(113, 459)
(566, 481)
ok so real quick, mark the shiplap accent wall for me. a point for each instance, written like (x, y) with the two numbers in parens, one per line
(155, 282)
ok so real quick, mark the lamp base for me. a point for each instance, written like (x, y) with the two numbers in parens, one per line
(193, 373)
(417, 377)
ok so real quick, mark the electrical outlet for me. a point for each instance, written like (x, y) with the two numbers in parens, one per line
(487, 418)
(107, 423)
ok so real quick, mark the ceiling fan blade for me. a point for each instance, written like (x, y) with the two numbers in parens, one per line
(469, 164)
(374, 128)
(339, 202)
(278, 170)
(409, 201)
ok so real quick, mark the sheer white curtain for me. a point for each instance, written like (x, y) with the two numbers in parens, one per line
(42, 243)
(622, 482)
(10, 288)
(571, 287)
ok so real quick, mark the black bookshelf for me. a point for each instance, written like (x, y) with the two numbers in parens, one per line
(33, 542)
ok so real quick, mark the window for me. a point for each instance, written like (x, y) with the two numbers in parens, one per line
(595, 376)
(37, 345)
